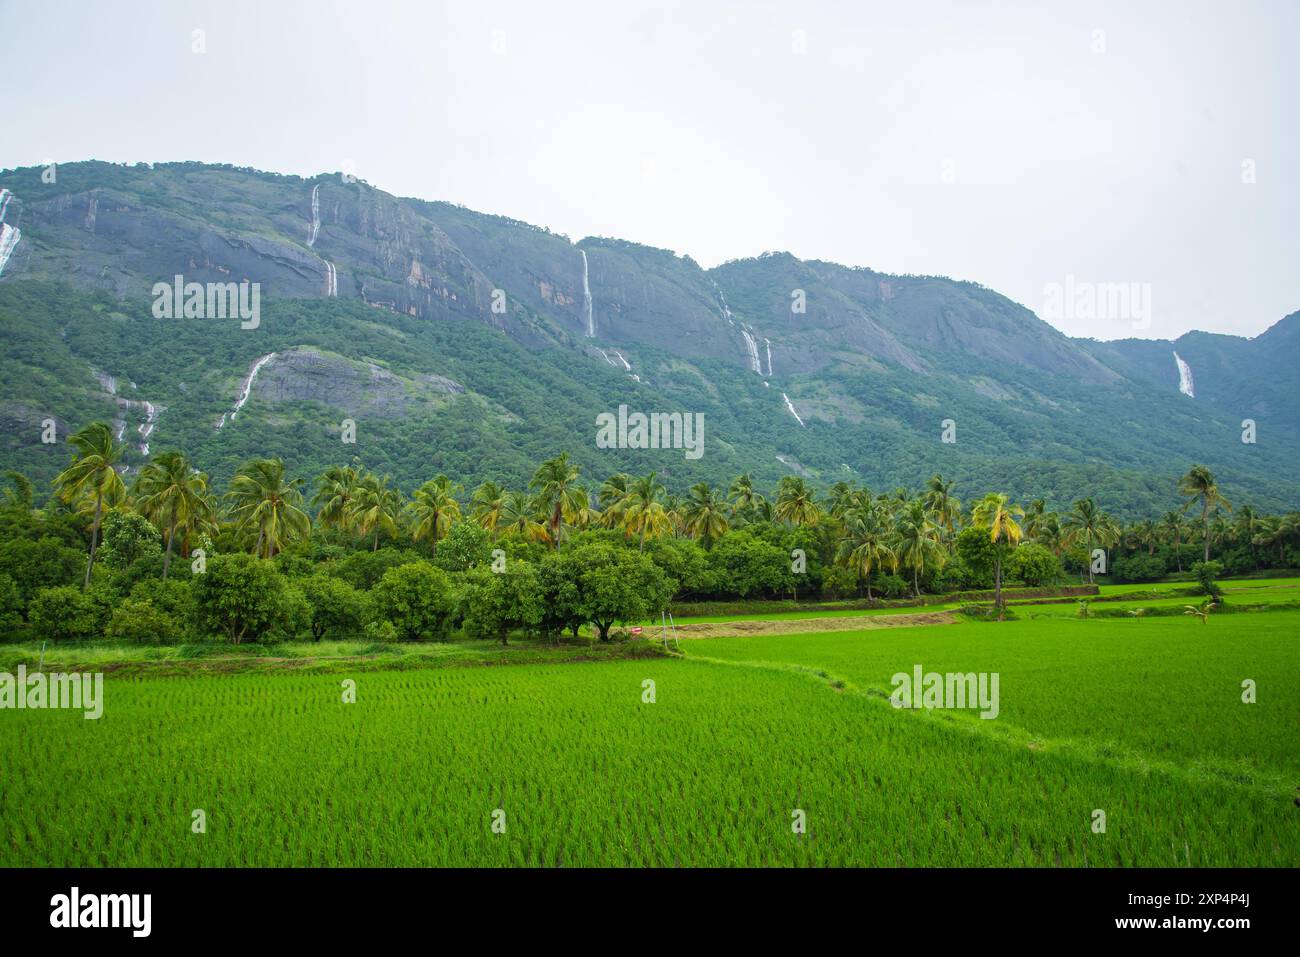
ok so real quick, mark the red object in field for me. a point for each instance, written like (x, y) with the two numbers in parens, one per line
(636, 630)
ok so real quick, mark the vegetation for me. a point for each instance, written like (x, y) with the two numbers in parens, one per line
(543, 561)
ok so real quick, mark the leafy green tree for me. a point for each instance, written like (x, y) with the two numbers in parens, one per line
(616, 585)
(11, 605)
(495, 603)
(34, 565)
(416, 598)
(239, 598)
(92, 476)
(336, 607)
(466, 545)
(62, 614)
(1035, 565)
(139, 621)
(128, 537)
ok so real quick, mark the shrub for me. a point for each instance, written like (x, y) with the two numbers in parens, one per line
(1138, 568)
(1207, 574)
(139, 621)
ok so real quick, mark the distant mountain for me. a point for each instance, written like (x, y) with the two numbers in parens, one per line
(476, 344)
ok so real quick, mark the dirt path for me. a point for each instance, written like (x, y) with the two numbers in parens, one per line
(798, 626)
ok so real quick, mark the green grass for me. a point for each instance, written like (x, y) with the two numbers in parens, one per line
(1140, 718)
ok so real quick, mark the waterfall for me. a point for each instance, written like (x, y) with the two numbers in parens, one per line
(790, 408)
(627, 367)
(769, 354)
(606, 355)
(315, 215)
(586, 298)
(9, 237)
(151, 413)
(726, 313)
(1185, 383)
(752, 347)
(331, 279)
(5, 196)
(247, 388)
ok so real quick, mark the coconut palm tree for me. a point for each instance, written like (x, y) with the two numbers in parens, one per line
(742, 495)
(19, 494)
(1248, 525)
(487, 503)
(556, 483)
(262, 498)
(643, 510)
(941, 503)
(1199, 483)
(1174, 528)
(995, 513)
(92, 476)
(1088, 524)
(336, 489)
(705, 514)
(865, 545)
(917, 541)
(613, 492)
(375, 508)
(520, 516)
(583, 515)
(434, 509)
(173, 495)
(796, 502)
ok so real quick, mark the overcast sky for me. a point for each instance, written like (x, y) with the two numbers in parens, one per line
(1015, 144)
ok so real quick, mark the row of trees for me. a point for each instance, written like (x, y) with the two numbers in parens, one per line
(709, 543)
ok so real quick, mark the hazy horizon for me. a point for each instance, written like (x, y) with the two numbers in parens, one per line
(1015, 147)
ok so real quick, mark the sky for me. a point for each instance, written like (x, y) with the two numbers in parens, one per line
(1048, 150)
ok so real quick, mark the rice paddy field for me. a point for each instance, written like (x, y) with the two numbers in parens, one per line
(1141, 718)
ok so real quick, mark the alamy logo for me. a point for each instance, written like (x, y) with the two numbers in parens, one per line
(213, 300)
(1076, 299)
(103, 910)
(658, 430)
(79, 692)
(953, 690)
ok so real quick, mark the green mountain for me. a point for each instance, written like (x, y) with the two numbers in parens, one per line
(476, 345)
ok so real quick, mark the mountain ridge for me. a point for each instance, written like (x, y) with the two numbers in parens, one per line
(825, 365)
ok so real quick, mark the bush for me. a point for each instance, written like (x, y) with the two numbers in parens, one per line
(1138, 568)
(416, 599)
(63, 614)
(139, 621)
(1207, 574)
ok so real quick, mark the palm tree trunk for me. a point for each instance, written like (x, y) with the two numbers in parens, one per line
(1205, 518)
(94, 538)
(997, 582)
(171, 533)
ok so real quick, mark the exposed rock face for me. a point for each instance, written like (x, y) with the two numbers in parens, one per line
(123, 229)
(352, 386)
